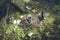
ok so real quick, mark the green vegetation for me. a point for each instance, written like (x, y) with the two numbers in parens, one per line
(26, 1)
(49, 30)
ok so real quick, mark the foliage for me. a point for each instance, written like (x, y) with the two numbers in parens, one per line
(17, 15)
(49, 30)
(26, 1)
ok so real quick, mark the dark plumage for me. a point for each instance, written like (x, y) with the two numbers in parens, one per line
(29, 19)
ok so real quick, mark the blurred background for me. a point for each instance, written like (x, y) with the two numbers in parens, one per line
(29, 19)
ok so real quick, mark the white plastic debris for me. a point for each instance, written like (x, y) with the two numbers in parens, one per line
(39, 13)
(30, 34)
(14, 22)
(18, 21)
(28, 7)
(21, 16)
(41, 23)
